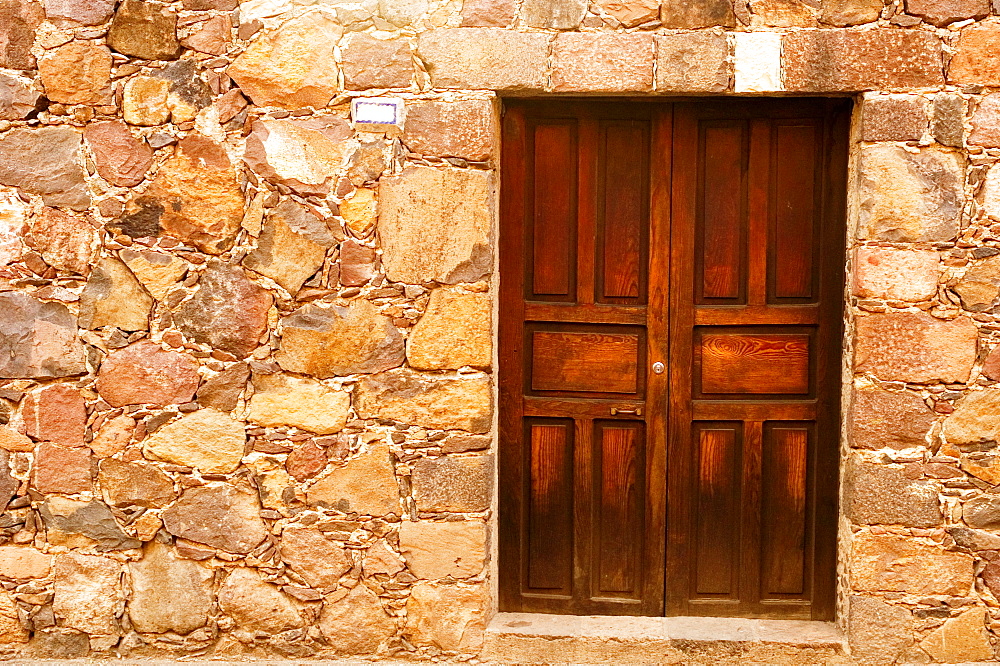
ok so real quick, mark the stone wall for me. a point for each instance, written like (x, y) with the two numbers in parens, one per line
(246, 350)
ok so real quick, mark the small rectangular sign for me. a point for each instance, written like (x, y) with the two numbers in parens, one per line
(377, 113)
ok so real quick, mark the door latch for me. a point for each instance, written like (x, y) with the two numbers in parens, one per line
(658, 368)
(615, 411)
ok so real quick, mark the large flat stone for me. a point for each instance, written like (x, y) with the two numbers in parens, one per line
(67, 242)
(961, 639)
(437, 550)
(88, 593)
(986, 122)
(690, 15)
(878, 632)
(59, 469)
(305, 158)
(692, 62)
(453, 483)
(463, 128)
(293, 66)
(146, 30)
(300, 402)
(893, 563)
(357, 623)
(256, 605)
(974, 420)
(608, 62)
(77, 524)
(454, 331)
(976, 60)
(86, 12)
(55, 413)
(485, 58)
(135, 484)
(77, 73)
(219, 515)
(553, 14)
(435, 225)
(376, 63)
(285, 256)
(320, 561)
(877, 494)
(943, 12)
(979, 288)
(448, 617)
(18, 98)
(915, 347)
(145, 373)
(46, 162)
(366, 484)
(114, 297)
(121, 159)
(160, 580)
(206, 439)
(888, 419)
(38, 339)
(18, 21)
(430, 401)
(899, 275)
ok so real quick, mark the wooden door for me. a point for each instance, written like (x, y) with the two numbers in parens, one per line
(706, 237)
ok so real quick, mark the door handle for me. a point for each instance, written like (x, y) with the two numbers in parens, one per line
(615, 411)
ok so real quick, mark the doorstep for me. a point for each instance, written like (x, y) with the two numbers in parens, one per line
(538, 638)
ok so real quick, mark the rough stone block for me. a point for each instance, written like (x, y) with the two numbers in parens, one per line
(320, 561)
(974, 420)
(782, 13)
(961, 639)
(631, 13)
(435, 225)
(455, 331)
(219, 515)
(448, 617)
(948, 121)
(85, 12)
(159, 581)
(376, 63)
(300, 402)
(887, 495)
(888, 419)
(402, 13)
(55, 413)
(38, 339)
(878, 632)
(982, 512)
(901, 275)
(943, 12)
(977, 59)
(463, 128)
(23, 563)
(88, 593)
(910, 197)
(894, 563)
(366, 484)
(145, 30)
(692, 62)
(915, 347)
(145, 373)
(893, 118)
(487, 13)
(437, 550)
(588, 62)
(183, 442)
(357, 623)
(287, 257)
(305, 158)
(430, 401)
(850, 60)
(134, 484)
(59, 469)
(17, 97)
(114, 297)
(484, 58)
(842, 13)
(18, 21)
(986, 122)
(258, 606)
(77, 73)
(121, 159)
(45, 162)
(453, 483)
(687, 15)
(979, 288)
(553, 14)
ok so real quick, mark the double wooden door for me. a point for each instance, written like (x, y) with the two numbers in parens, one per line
(670, 334)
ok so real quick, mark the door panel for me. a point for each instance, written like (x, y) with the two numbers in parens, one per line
(707, 237)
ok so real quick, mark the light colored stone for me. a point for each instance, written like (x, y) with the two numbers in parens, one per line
(46, 162)
(86, 12)
(961, 639)
(427, 400)
(300, 402)
(555, 14)
(219, 515)
(915, 347)
(631, 13)
(22, 563)
(13, 216)
(471, 128)
(381, 559)
(144, 101)
(602, 62)
(12, 440)
(320, 561)
(158, 272)
(11, 630)
(692, 62)
(365, 484)
(376, 63)
(883, 494)
(113, 297)
(436, 550)
(843, 13)
(402, 13)
(66, 242)
(986, 122)
(488, 13)
(893, 563)
(222, 391)
(38, 339)
(975, 419)
(55, 413)
(878, 632)
(285, 256)
(454, 331)
(293, 66)
(274, 484)
(329, 341)
(989, 195)
(979, 288)
(169, 593)
(943, 12)
(893, 118)
(113, 436)
(448, 617)
(212, 38)
(135, 484)
(305, 158)
(77, 73)
(435, 225)
(899, 275)
(256, 605)
(485, 59)
(360, 211)
(782, 14)
(206, 439)
(88, 593)
(17, 97)
(356, 624)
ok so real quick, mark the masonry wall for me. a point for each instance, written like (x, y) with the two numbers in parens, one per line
(246, 350)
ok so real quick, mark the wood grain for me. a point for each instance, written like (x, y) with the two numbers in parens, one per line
(754, 364)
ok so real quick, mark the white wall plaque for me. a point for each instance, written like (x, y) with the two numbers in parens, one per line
(758, 61)
(377, 114)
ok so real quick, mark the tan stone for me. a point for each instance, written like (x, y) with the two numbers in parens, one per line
(256, 605)
(305, 158)
(485, 59)
(22, 562)
(976, 60)
(454, 331)
(326, 342)
(213, 37)
(77, 73)
(986, 122)
(113, 297)
(703, 14)
(449, 617)
(366, 484)
(850, 12)
(453, 483)
(915, 347)
(17, 97)
(961, 639)
(910, 197)
(896, 420)
(360, 212)
(427, 400)
(206, 439)
(602, 62)
(943, 12)
(169, 593)
(293, 66)
(979, 288)
(319, 561)
(222, 391)
(144, 101)
(11, 630)
(38, 339)
(975, 419)
(121, 159)
(692, 62)
(66, 242)
(435, 225)
(381, 559)
(13, 215)
(470, 132)
(18, 21)
(436, 550)
(274, 484)
(557, 14)
(146, 30)
(79, 524)
(46, 162)
(12, 440)
(893, 563)
(487, 13)
(134, 484)
(88, 593)
(356, 624)
(850, 60)
(300, 402)
(878, 632)
(145, 373)
(899, 275)
(284, 256)
(376, 63)
(194, 197)
(113, 436)
(220, 515)
(782, 14)
(989, 194)
(631, 13)
(886, 494)
(158, 272)
(893, 118)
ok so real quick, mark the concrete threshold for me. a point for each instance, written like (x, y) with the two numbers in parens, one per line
(534, 638)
